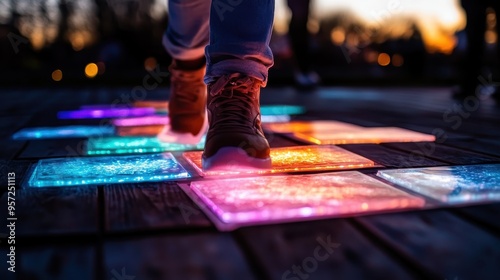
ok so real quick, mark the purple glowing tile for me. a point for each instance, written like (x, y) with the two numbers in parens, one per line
(73, 131)
(232, 203)
(142, 121)
(106, 113)
(104, 106)
(310, 126)
(59, 172)
(365, 135)
(293, 159)
(450, 184)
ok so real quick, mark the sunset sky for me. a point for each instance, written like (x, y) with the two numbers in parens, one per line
(438, 20)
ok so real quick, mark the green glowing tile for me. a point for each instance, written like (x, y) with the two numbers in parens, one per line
(135, 145)
(61, 172)
(275, 110)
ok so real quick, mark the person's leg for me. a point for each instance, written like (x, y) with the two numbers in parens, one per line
(238, 60)
(185, 40)
(473, 60)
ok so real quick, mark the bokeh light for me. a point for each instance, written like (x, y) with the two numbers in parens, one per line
(384, 59)
(57, 75)
(150, 63)
(91, 70)
(397, 60)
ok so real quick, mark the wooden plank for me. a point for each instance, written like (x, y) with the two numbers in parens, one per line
(50, 148)
(390, 157)
(439, 242)
(49, 211)
(50, 261)
(485, 146)
(327, 249)
(484, 216)
(150, 206)
(443, 153)
(184, 256)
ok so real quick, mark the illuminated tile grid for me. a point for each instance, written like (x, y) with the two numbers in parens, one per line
(310, 126)
(142, 121)
(106, 170)
(270, 199)
(294, 159)
(148, 130)
(106, 113)
(73, 131)
(451, 184)
(135, 145)
(366, 135)
(277, 110)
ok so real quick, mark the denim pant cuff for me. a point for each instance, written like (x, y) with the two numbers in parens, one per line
(250, 68)
(182, 53)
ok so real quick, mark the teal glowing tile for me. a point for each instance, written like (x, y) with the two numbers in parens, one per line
(106, 170)
(450, 184)
(135, 145)
(232, 203)
(276, 110)
(74, 131)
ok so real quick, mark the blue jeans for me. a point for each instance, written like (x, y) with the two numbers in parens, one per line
(234, 35)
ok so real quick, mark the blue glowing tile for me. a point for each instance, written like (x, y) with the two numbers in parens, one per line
(106, 170)
(135, 145)
(106, 113)
(74, 131)
(276, 119)
(277, 110)
(451, 184)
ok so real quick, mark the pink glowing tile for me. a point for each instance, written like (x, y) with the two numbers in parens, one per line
(294, 159)
(310, 126)
(232, 203)
(148, 130)
(142, 121)
(365, 135)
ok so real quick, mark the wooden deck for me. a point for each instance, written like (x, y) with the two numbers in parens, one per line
(141, 231)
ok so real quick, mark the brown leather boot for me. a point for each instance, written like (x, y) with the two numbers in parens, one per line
(186, 107)
(235, 139)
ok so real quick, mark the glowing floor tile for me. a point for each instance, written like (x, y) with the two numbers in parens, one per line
(452, 184)
(311, 126)
(148, 130)
(275, 110)
(295, 159)
(232, 203)
(74, 131)
(276, 119)
(104, 106)
(365, 135)
(141, 121)
(134, 145)
(157, 104)
(106, 113)
(106, 170)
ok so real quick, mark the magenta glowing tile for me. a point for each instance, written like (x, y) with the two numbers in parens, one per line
(106, 113)
(293, 159)
(450, 184)
(232, 203)
(366, 135)
(142, 121)
(310, 126)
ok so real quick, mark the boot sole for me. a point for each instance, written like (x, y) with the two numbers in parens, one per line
(169, 136)
(234, 159)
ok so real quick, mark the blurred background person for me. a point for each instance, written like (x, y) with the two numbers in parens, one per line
(471, 67)
(300, 41)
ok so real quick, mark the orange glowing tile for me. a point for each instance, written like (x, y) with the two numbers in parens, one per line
(149, 130)
(236, 202)
(294, 159)
(366, 135)
(158, 105)
(310, 126)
